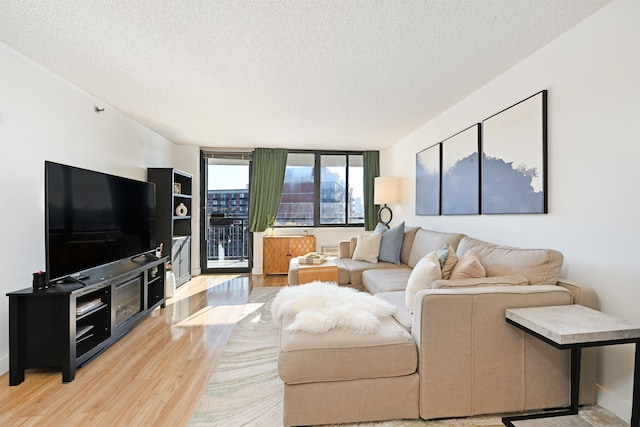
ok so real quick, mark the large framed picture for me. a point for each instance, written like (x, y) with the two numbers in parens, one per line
(514, 157)
(428, 181)
(461, 173)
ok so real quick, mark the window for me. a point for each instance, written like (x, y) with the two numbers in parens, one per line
(322, 189)
(298, 191)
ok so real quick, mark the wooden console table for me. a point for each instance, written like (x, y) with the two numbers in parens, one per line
(277, 251)
(575, 327)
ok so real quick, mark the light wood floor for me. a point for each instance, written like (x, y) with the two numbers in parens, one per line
(153, 376)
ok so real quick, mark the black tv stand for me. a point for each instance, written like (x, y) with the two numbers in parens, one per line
(67, 325)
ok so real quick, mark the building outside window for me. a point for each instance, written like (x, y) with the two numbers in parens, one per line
(322, 189)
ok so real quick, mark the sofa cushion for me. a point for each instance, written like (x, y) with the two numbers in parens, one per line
(407, 243)
(468, 267)
(426, 271)
(402, 315)
(368, 247)
(355, 268)
(515, 280)
(391, 242)
(540, 266)
(426, 241)
(380, 280)
(338, 354)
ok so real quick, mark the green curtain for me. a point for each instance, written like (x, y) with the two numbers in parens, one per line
(265, 188)
(371, 161)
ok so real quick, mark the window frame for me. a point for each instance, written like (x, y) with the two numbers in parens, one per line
(316, 188)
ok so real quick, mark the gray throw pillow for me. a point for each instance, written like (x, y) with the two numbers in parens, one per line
(391, 242)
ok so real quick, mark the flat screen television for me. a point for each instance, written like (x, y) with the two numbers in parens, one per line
(93, 219)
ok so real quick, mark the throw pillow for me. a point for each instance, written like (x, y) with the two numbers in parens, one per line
(448, 260)
(367, 248)
(515, 280)
(468, 267)
(423, 274)
(407, 243)
(391, 242)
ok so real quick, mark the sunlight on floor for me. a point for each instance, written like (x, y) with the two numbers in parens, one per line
(250, 308)
(210, 316)
(220, 315)
(184, 291)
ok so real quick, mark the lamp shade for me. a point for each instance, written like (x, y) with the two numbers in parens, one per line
(386, 190)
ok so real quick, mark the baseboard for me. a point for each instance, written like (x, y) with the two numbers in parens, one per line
(4, 365)
(614, 403)
(256, 271)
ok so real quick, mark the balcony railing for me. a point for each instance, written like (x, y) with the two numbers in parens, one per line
(228, 239)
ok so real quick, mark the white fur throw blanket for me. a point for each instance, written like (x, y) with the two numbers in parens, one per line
(320, 306)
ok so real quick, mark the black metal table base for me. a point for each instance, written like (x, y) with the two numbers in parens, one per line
(576, 352)
(576, 356)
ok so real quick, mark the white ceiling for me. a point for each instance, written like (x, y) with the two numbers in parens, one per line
(349, 74)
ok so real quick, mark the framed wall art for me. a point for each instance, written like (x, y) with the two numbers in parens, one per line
(461, 173)
(428, 181)
(514, 151)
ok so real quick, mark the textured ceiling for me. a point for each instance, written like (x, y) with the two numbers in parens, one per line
(350, 74)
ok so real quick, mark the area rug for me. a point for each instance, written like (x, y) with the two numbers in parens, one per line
(245, 389)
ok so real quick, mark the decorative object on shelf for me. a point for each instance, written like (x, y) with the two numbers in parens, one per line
(514, 147)
(461, 173)
(181, 210)
(39, 281)
(177, 188)
(428, 181)
(385, 191)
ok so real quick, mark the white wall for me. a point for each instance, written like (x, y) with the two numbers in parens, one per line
(43, 117)
(592, 75)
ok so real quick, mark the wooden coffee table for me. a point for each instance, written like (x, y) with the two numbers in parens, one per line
(325, 272)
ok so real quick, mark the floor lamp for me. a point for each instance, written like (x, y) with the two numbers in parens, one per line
(385, 190)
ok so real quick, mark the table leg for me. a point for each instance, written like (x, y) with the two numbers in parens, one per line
(635, 408)
(68, 372)
(576, 357)
(16, 342)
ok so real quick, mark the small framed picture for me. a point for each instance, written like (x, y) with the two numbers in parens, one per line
(177, 188)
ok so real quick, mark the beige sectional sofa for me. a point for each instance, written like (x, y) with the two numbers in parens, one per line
(455, 356)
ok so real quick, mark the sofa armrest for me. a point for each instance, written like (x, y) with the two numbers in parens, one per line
(471, 361)
(583, 295)
(343, 249)
(347, 247)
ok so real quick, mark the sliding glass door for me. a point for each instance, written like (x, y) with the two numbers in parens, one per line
(226, 245)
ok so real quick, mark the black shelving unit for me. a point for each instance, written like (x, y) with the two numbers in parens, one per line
(67, 325)
(174, 196)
